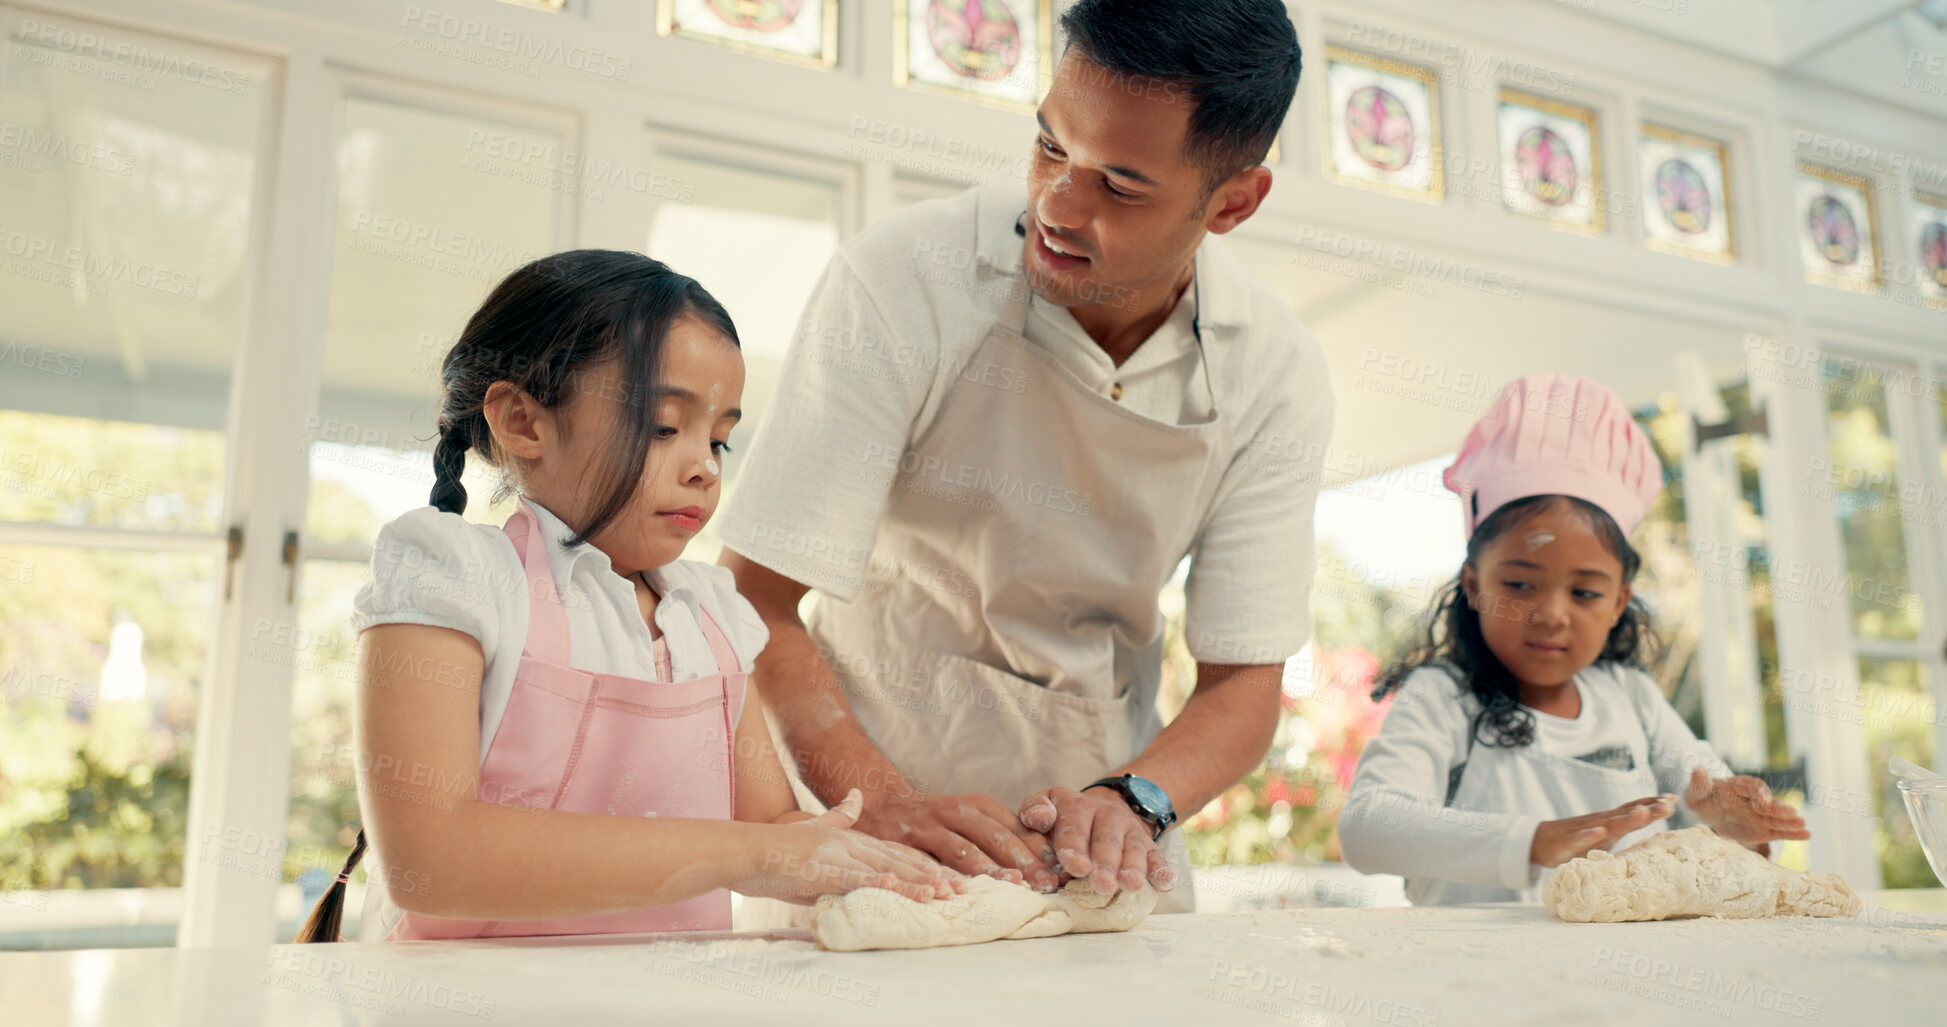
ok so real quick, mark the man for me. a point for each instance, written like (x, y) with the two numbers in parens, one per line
(1005, 421)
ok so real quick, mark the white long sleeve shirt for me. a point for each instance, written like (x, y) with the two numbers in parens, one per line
(1397, 819)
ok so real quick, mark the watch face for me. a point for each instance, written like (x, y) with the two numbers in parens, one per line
(1153, 798)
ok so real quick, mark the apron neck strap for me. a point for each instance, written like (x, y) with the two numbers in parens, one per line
(547, 620)
(727, 661)
(1014, 317)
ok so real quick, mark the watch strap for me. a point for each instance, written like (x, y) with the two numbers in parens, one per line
(1158, 822)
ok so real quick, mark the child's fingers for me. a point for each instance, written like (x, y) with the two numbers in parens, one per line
(845, 814)
(1582, 841)
(916, 889)
(916, 892)
(1645, 810)
(909, 852)
(911, 873)
(839, 817)
(914, 857)
(1635, 815)
(913, 864)
(1770, 810)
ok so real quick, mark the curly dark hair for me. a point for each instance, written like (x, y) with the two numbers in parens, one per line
(1453, 638)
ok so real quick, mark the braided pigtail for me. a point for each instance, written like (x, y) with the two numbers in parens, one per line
(449, 464)
(326, 917)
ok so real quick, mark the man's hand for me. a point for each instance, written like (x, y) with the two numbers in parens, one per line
(1099, 837)
(1742, 809)
(973, 834)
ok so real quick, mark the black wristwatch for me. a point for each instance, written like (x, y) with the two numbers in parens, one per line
(1149, 801)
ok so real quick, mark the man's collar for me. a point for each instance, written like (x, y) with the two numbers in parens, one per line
(1000, 207)
(1224, 296)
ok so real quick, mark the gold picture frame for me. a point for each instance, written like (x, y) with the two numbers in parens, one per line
(1719, 151)
(1564, 114)
(1865, 221)
(825, 60)
(1043, 54)
(1932, 293)
(1428, 81)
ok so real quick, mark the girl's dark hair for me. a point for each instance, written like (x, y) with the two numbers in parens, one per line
(1453, 637)
(544, 328)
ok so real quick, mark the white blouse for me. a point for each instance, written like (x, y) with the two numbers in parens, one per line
(438, 569)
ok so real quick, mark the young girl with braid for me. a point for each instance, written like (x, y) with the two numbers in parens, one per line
(1524, 731)
(553, 731)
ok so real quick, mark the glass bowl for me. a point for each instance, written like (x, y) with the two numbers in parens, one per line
(1926, 803)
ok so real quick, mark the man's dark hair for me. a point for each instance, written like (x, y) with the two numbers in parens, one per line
(1237, 60)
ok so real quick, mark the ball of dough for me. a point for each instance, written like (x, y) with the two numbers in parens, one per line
(1692, 872)
(989, 910)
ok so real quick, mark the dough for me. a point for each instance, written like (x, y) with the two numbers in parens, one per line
(1686, 873)
(989, 910)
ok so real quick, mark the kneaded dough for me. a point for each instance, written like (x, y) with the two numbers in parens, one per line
(1692, 872)
(989, 910)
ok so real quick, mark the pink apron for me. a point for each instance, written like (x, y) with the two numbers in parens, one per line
(597, 743)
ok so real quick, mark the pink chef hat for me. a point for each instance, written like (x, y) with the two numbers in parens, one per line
(1550, 434)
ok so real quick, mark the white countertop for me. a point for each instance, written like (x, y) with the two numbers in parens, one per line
(1491, 965)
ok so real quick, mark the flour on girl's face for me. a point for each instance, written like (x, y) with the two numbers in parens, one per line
(710, 464)
(1537, 539)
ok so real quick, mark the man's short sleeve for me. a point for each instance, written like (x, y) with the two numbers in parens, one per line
(808, 500)
(1249, 590)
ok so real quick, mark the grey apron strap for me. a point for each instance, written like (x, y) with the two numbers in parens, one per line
(1459, 770)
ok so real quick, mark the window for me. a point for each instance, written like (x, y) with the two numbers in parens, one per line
(908, 190)
(128, 172)
(1898, 716)
(758, 240)
(1674, 566)
(434, 207)
(1863, 479)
